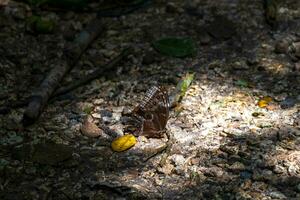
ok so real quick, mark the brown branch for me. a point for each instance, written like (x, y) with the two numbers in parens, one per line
(40, 97)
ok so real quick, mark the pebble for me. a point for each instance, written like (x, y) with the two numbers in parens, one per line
(237, 166)
(279, 169)
(292, 170)
(178, 159)
(281, 46)
(90, 129)
(277, 195)
(240, 65)
(96, 115)
(173, 8)
(288, 102)
(98, 101)
(166, 169)
(106, 113)
(204, 38)
(213, 172)
(296, 48)
(297, 67)
(245, 175)
(298, 187)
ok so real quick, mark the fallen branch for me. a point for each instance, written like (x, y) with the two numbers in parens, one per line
(40, 97)
(6, 108)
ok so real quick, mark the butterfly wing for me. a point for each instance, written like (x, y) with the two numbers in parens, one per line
(153, 112)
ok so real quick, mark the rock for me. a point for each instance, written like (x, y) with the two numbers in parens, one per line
(173, 8)
(237, 166)
(167, 169)
(288, 102)
(292, 170)
(105, 113)
(279, 169)
(245, 175)
(30, 170)
(257, 175)
(297, 67)
(213, 172)
(98, 101)
(267, 174)
(269, 162)
(96, 115)
(230, 149)
(240, 65)
(277, 195)
(195, 161)
(178, 159)
(296, 49)
(282, 46)
(204, 38)
(298, 187)
(88, 128)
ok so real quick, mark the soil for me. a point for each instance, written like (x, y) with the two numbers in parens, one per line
(236, 133)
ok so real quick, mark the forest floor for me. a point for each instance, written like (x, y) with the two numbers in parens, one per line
(228, 144)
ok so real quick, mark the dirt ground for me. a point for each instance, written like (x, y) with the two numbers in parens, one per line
(226, 145)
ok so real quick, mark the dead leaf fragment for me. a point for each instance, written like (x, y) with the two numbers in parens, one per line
(90, 129)
(123, 143)
(51, 153)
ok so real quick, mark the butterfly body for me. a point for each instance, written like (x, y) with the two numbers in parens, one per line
(152, 114)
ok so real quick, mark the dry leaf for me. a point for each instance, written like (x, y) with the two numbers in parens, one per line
(123, 143)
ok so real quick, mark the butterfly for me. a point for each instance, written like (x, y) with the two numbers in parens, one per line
(152, 114)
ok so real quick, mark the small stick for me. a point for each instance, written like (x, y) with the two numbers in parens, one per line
(92, 76)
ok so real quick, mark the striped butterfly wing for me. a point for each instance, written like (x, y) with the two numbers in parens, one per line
(153, 112)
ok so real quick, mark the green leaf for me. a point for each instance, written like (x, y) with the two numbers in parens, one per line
(40, 25)
(184, 84)
(176, 47)
(242, 83)
(181, 89)
(88, 109)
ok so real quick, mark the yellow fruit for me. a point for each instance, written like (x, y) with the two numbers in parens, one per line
(264, 102)
(123, 143)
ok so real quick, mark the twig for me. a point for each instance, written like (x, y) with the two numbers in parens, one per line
(168, 148)
(93, 75)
